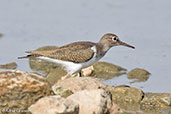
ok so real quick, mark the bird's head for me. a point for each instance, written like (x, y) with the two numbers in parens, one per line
(109, 40)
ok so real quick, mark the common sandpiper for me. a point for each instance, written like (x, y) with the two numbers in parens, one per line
(78, 55)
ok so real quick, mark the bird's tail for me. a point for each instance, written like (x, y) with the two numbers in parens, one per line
(24, 57)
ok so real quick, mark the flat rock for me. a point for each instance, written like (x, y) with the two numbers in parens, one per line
(54, 105)
(18, 89)
(77, 84)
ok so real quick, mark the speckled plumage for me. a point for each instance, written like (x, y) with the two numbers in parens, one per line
(75, 52)
(75, 56)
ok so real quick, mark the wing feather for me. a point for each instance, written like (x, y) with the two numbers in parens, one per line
(76, 52)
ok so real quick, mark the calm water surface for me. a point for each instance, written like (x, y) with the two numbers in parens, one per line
(30, 24)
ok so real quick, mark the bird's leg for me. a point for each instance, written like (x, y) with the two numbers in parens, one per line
(65, 77)
(69, 75)
(80, 74)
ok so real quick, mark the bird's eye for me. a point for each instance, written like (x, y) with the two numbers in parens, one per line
(114, 38)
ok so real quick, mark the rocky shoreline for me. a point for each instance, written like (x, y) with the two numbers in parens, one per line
(37, 93)
(32, 93)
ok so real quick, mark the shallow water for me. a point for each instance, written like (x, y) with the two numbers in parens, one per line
(29, 24)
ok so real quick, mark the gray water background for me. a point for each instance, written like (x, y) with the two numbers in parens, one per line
(146, 24)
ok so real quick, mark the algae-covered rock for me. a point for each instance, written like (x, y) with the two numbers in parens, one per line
(12, 65)
(18, 89)
(126, 94)
(55, 74)
(141, 75)
(62, 91)
(126, 97)
(156, 101)
(106, 70)
(41, 65)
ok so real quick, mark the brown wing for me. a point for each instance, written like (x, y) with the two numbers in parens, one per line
(75, 52)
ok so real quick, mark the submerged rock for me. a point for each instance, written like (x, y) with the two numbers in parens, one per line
(106, 70)
(54, 105)
(1, 35)
(53, 72)
(18, 89)
(141, 75)
(12, 65)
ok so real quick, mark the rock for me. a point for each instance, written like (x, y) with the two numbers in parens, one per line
(94, 101)
(18, 89)
(77, 84)
(141, 75)
(1, 35)
(55, 74)
(54, 105)
(12, 65)
(106, 70)
(41, 65)
(156, 101)
(127, 98)
(87, 71)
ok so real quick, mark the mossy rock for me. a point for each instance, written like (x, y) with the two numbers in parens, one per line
(12, 65)
(141, 75)
(106, 70)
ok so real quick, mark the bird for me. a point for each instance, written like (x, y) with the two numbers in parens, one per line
(78, 55)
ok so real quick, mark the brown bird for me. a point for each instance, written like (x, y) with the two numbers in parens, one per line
(75, 56)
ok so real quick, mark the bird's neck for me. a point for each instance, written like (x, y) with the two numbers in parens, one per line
(102, 49)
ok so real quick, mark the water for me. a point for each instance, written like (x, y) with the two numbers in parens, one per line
(29, 24)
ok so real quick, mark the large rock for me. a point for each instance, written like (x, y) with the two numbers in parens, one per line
(127, 98)
(18, 89)
(156, 101)
(94, 101)
(54, 105)
(76, 84)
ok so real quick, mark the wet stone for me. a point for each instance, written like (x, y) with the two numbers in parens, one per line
(140, 75)
(11, 65)
(106, 70)
(156, 100)
(1, 35)
(128, 98)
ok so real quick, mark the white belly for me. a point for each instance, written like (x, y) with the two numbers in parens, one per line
(73, 67)
(70, 66)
